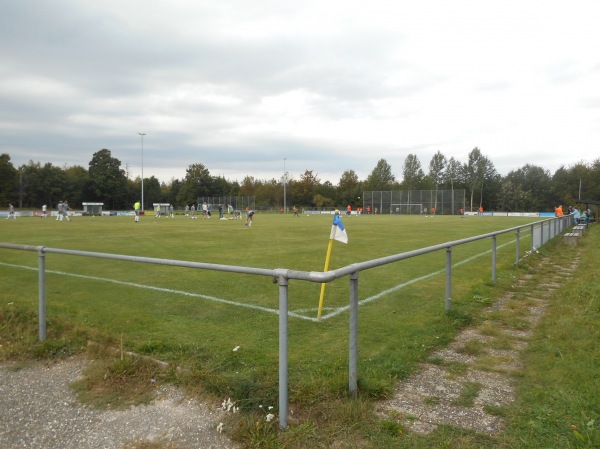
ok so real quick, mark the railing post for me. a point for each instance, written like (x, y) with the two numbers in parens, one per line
(518, 246)
(283, 349)
(532, 238)
(353, 337)
(448, 277)
(42, 294)
(494, 258)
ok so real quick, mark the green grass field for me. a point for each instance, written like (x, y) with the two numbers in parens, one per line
(152, 307)
(195, 318)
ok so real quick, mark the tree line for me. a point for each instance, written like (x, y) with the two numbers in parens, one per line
(528, 188)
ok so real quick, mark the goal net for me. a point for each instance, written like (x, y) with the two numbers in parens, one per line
(406, 208)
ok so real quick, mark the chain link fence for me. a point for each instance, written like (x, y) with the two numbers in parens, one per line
(238, 202)
(446, 202)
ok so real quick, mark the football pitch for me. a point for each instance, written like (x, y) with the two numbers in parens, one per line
(189, 316)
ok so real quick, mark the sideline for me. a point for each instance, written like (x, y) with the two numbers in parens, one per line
(299, 313)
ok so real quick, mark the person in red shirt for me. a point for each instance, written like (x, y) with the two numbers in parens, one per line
(349, 210)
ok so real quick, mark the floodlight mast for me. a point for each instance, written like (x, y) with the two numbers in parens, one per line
(142, 136)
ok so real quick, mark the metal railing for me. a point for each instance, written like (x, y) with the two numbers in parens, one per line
(541, 232)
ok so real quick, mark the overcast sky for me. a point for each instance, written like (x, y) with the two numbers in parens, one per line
(241, 85)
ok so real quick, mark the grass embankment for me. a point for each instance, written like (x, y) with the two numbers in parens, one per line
(557, 390)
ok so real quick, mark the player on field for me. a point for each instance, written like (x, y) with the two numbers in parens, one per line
(249, 216)
(11, 211)
(136, 208)
(66, 210)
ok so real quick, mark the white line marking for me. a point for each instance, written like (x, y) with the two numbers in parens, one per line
(399, 286)
(295, 313)
(160, 289)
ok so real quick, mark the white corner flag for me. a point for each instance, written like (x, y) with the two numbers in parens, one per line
(338, 232)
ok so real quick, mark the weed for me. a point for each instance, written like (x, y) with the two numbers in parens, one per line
(468, 394)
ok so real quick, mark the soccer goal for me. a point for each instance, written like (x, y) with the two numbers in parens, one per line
(406, 208)
(413, 202)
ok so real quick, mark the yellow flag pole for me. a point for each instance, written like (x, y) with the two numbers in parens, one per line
(322, 297)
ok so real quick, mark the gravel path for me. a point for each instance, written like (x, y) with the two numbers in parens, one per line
(432, 395)
(39, 410)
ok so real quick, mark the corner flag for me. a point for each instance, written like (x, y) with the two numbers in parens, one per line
(338, 232)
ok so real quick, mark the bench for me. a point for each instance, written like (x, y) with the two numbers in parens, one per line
(571, 238)
(578, 229)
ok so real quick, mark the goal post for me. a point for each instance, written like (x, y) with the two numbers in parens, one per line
(406, 208)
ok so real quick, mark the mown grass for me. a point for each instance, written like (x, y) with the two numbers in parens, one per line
(395, 332)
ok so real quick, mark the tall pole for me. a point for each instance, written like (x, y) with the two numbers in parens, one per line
(142, 136)
(284, 183)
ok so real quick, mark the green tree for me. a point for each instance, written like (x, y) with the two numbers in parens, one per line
(574, 182)
(152, 191)
(234, 188)
(170, 191)
(348, 189)
(197, 183)
(321, 201)
(29, 187)
(453, 175)
(453, 178)
(412, 173)
(109, 183)
(39, 185)
(304, 190)
(248, 186)
(437, 167)
(477, 170)
(8, 180)
(220, 186)
(381, 178)
(77, 185)
(269, 194)
(535, 182)
(52, 185)
(513, 198)
(327, 193)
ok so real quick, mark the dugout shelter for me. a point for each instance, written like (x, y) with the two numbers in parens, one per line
(164, 208)
(92, 208)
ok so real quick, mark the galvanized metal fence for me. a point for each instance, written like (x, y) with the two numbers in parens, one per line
(541, 232)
